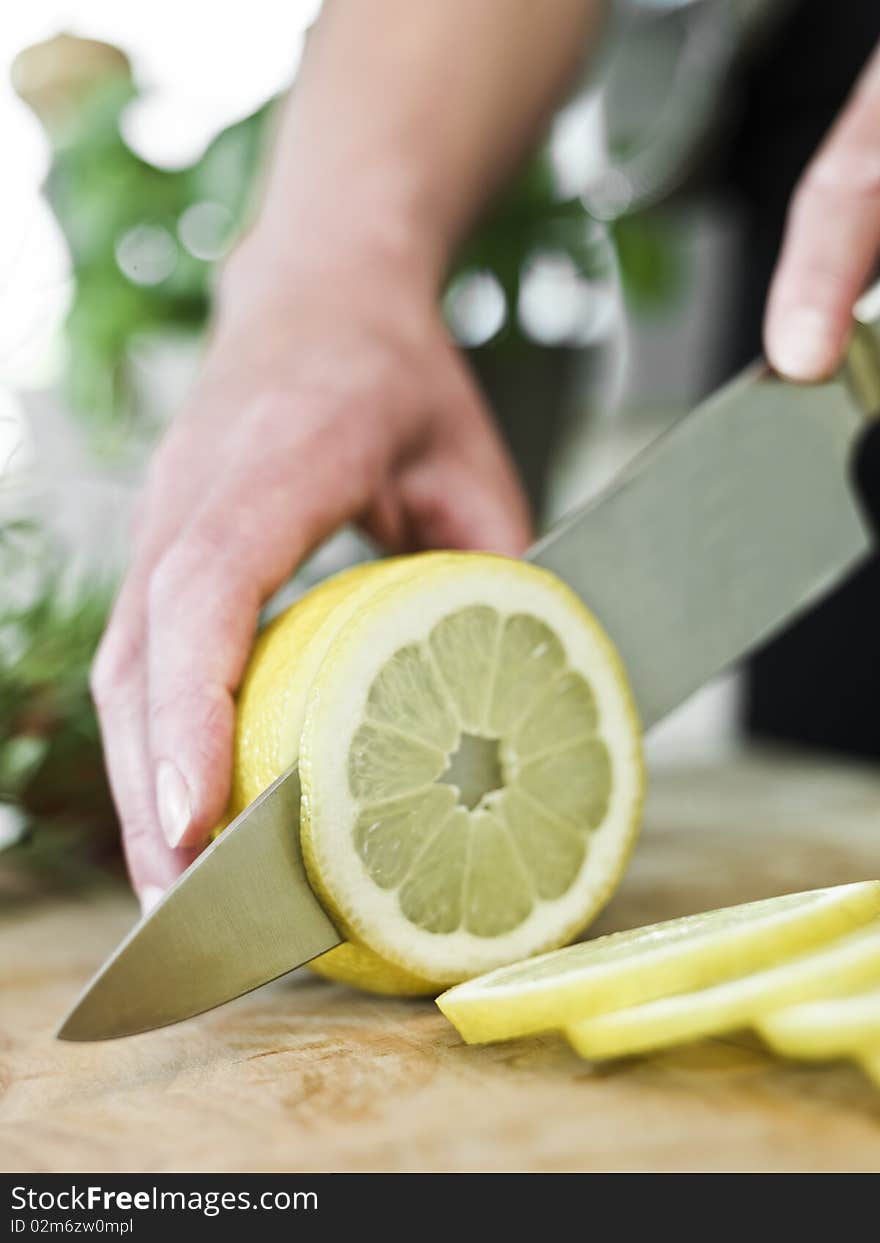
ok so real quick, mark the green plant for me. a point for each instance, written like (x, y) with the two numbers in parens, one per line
(106, 198)
(51, 771)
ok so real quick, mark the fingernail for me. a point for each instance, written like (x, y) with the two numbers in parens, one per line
(173, 801)
(802, 345)
(149, 896)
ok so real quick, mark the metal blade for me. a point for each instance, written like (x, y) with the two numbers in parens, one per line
(728, 526)
(241, 915)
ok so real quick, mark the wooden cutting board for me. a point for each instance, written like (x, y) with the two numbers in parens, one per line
(307, 1076)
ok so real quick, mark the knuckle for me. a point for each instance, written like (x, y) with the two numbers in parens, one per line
(844, 170)
(200, 573)
(162, 581)
(140, 829)
(113, 668)
(821, 282)
(170, 576)
(202, 706)
(270, 407)
(204, 716)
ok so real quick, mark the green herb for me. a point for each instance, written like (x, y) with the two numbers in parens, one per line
(51, 769)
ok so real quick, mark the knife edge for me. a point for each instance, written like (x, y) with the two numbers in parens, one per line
(242, 914)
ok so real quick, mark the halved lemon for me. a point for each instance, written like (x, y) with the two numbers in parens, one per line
(625, 968)
(825, 1028)
(503, 680)
(471, 768)
(851, 961)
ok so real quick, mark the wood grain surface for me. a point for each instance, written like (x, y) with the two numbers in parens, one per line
(308, 1076)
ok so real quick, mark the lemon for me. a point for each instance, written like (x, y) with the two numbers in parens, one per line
(870, 1064)
(846, 962)
(825, 1028)
(626, 968)
(470, 760)
(471, 767)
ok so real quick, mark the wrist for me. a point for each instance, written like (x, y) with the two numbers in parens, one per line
(325, 271)
(342, 210)
(361, 243)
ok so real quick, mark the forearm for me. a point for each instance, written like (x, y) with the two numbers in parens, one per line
(406, 116)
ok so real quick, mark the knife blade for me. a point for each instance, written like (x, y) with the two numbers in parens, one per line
(726, 528)
(241, 915)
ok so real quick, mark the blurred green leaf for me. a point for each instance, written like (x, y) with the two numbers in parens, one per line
(50, 758)
(650, 257)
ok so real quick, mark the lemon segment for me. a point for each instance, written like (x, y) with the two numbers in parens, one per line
(471, 767)
(407, 697)
(529, 655)
(390, 837)
(464, 647)
(829, 1027)
(846, 962)
(551, 849)
(384, 764)
(563, 713)
(626, 968)
(499, 894)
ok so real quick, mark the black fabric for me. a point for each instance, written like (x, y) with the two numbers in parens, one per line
(819, 683)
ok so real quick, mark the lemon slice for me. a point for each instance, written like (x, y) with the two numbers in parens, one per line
(846, 962)
(825, 1028)
(626, 968)
(870, 1064)
(471, 767)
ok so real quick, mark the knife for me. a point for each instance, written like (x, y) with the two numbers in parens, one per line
(726, 528)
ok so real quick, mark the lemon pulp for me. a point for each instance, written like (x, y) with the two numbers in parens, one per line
(478, 773)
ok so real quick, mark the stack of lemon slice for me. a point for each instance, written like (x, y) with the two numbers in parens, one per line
(469, 756)
(803, 969)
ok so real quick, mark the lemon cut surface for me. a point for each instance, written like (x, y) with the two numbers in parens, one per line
(471, 768)
(829, 1027)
